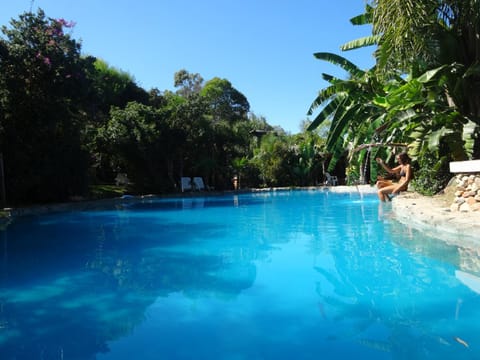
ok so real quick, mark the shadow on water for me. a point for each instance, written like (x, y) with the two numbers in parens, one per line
(72, 282)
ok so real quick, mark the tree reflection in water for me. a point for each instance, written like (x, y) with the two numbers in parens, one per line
(312, 273)
(384, 293)
(71, 283)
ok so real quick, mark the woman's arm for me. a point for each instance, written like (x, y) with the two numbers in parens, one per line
(395, 170)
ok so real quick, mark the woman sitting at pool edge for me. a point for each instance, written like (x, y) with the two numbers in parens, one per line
(404, 170)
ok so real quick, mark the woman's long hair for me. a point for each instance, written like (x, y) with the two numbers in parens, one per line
(404, 158)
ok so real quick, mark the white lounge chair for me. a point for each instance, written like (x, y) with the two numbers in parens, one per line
(198, 183)
(186, 184)
(331, 179)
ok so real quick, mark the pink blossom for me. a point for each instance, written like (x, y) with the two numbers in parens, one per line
(58, 32)
(65, 23)
(47, 61)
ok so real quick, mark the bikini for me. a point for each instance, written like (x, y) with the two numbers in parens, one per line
(403, 173)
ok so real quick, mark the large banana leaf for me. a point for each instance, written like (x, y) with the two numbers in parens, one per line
(342, 120)
(325, 95)
(340, 61)
(430, 74)
(337, 152)
(365, 18)
(328, 78)
(473, 70)
(435, 136)
(470, 130)
(361, 42)
(406, 116)
(327, 112)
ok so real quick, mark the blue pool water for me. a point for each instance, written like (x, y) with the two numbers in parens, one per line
(275, 275)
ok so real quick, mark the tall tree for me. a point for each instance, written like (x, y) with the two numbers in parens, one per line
(187, 83)
(226, 102)
(416, 36)
(350, 107)
(111, 87)
(427, 76)
(135, 136)
(43, 86)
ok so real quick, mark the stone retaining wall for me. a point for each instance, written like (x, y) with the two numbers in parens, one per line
(467, 193)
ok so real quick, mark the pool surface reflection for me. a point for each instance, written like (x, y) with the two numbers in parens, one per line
(275, 275)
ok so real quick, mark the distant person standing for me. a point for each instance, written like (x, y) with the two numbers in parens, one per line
(404, 170)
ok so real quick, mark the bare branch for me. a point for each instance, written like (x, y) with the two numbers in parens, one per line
(365, 146)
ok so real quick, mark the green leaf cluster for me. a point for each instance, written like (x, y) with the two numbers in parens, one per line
(69, 122)
(423, 91)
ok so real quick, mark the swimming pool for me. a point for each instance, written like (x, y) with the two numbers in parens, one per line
(274, 275)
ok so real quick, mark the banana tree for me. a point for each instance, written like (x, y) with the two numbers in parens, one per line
(429, 35)
(349, 106)
(421, 114)
(434, 106)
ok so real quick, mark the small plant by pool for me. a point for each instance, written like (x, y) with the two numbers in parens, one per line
(274, 275)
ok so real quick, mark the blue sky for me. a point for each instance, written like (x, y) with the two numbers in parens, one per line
(264, 48)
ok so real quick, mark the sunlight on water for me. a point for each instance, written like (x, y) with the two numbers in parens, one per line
(283, 275)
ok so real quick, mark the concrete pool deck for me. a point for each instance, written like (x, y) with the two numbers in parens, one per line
(432, 214)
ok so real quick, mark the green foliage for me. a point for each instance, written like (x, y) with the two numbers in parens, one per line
(290, 160)
(352, 108)
(368, 109)
(111, 87)
(106, 191)
(436, 38)
(135, 136)
(436, 109)
(187, 83)
(432, 174)
(69, 124)
(43, 86)
(268, 158)
(405, 30)
(226, 102)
